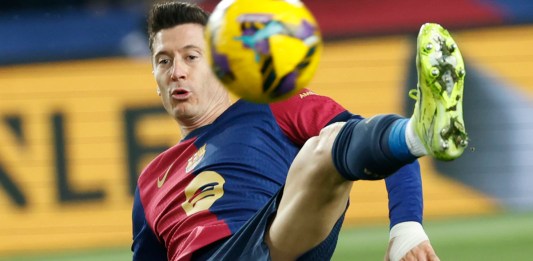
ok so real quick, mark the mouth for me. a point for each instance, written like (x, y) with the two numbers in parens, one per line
(180, 94)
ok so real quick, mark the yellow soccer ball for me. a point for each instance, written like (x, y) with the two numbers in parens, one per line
(263, 50)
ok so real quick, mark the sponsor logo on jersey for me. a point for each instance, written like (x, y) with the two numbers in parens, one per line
(305, 94)
(160, 182)
(206, 188)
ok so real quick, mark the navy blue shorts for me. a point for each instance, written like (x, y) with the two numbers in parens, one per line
(249, 244)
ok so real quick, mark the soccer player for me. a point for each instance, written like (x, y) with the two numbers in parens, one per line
(272, 181)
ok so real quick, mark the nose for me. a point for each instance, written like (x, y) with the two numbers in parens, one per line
(178, 71)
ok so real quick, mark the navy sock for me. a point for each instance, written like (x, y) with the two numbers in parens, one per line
(371, 149)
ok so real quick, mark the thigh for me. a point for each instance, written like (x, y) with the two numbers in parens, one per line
(314, 198)
(248, 243)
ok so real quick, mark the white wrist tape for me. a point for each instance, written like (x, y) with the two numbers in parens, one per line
(406, 236)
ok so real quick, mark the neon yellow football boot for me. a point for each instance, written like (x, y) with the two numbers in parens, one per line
(438, 115)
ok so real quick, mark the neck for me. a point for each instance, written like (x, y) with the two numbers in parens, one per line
(190, 124)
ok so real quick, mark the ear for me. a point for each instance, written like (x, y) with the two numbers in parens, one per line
(158, 91)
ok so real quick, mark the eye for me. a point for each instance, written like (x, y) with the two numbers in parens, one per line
(163, 61)
(192, 57)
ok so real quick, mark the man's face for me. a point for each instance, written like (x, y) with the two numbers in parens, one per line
(187, 86)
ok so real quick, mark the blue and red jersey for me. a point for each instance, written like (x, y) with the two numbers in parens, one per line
(204, 188)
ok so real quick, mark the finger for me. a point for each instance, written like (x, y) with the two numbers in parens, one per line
(421, 254)
(387, 254)
(433, 257)
(409, 257)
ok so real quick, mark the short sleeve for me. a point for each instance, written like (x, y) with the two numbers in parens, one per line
(303, 115)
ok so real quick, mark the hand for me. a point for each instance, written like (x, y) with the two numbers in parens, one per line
(422, 252)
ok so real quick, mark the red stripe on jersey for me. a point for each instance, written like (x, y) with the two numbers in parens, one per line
(162, 191)
(304, 115)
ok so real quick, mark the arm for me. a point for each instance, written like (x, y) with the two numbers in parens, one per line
(405, 195)
(145, 245)
(407, 236)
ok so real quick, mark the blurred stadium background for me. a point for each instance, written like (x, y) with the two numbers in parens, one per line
(79, 118)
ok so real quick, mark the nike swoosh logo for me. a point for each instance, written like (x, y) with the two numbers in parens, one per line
(160, 182)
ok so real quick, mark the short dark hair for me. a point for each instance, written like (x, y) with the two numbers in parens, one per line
(167, 15)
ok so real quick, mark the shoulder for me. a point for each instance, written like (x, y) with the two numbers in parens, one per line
(163, 158)
(303, 115)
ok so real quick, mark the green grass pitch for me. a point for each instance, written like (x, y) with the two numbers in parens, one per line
(500, 237)
(487, 238)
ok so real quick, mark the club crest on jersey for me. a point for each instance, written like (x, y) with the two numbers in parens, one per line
(195, 159)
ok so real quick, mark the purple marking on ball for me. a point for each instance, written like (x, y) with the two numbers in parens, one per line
(263, 47)
(222, 63)
(304, 30)
(249, 31)
(286, 85)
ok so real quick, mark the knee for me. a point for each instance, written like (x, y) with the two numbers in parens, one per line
(314, 163)
(323, 143)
